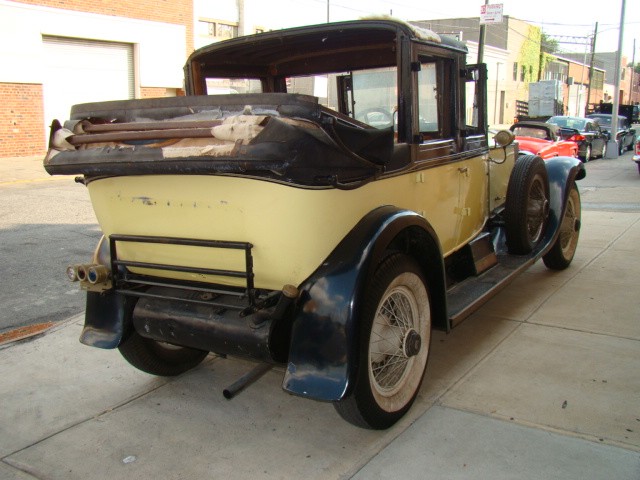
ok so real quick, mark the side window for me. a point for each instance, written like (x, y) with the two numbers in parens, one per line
(428, 108)
(375, 96)
(475, 98)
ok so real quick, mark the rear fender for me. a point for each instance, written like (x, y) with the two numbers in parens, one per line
(107, 317)
(324, 343)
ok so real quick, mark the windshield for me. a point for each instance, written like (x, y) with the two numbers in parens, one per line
(569, 122)
(533, 132)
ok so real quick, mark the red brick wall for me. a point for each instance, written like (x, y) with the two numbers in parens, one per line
(21, 120)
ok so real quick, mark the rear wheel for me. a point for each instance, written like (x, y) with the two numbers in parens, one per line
(587, 154)
(527, 204)
(564, 248)
(395, 334)
(159, 358)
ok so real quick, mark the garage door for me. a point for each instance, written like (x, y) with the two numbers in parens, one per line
(80, 71)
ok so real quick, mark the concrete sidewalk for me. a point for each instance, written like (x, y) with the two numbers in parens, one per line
(543, 382)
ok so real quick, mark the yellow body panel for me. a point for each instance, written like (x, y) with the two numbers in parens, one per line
(292, 230)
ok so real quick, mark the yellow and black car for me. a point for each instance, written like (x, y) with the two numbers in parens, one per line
(325, 214)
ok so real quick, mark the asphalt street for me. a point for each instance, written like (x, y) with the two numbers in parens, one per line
(46, 223)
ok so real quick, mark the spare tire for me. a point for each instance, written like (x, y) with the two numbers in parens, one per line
(527, 204)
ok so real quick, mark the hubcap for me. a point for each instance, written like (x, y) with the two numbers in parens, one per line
(412, 343)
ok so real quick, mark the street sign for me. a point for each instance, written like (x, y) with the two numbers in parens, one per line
(491, 13)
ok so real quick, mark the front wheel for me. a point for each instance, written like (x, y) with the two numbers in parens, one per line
(159, 358)
(564, 248)
(527, 205)
(395, 334)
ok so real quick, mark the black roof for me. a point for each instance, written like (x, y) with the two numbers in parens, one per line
(280, 46)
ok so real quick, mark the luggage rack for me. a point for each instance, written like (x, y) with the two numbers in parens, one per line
(128, 283)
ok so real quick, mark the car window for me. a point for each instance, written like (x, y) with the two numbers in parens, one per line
(531, 132)
(375, 94)
(225, 86)
(561, 122)
(428, 98)
(370, 95)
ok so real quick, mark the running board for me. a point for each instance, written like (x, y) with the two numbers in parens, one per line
(465, 297)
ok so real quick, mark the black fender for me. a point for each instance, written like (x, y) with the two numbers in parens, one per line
(106, 319)
(562, 173)
(324, 339)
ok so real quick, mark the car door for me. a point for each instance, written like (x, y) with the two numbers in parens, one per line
(599, 139)
(454, 177)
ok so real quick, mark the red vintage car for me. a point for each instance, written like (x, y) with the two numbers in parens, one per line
(545, 140)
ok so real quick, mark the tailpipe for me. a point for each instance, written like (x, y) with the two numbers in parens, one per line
(90, 276)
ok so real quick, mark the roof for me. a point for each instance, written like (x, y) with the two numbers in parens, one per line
(271, 47)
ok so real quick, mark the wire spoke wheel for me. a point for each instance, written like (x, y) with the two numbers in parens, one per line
(563, 250)
(394, 345)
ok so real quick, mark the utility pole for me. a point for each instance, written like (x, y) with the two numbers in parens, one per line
(612, 144)
(593, 53)
(633, 72)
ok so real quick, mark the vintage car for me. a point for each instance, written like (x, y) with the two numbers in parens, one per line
(591, 140)
(545, 140)
(625, 136)
(325, 218)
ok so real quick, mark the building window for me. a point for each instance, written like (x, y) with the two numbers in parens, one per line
(515, 71)
(218, 30)
(523, 72)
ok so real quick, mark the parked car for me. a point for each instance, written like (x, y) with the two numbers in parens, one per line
(591, 140)
(636, 156)
(544, 139)
(625, 135)
(285, 228)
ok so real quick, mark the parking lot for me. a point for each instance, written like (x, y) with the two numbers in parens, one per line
(542, 382)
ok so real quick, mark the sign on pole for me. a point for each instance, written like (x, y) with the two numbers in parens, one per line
(491, 13)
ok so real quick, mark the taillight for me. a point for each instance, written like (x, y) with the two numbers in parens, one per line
(638, 147)
(577, 138)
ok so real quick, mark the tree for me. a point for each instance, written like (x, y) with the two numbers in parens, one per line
(548, 44)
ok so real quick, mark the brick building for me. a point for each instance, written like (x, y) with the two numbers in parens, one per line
(55, 54)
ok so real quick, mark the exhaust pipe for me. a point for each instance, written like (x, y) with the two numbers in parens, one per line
(97, 274)
(91, 273)
(72, 273)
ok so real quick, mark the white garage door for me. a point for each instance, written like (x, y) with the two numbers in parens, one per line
(80, 71)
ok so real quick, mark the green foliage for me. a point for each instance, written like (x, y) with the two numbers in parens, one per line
(548, 44)
(545, 58)
(530, 54)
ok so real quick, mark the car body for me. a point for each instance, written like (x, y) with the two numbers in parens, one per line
(544, 139)
(625, 135)
(636, 154)
(592, 141)
(282, 227)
